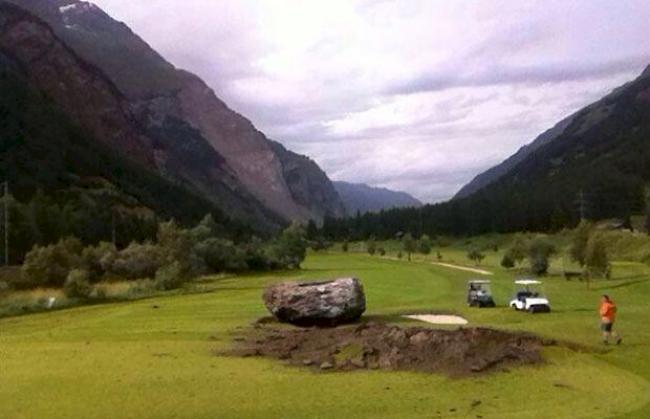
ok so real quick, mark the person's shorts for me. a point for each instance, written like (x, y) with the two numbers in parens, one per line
(606, 326)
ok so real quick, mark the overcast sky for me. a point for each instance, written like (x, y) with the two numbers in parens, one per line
(413, 95)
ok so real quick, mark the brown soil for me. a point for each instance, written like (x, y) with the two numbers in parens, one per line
(376, 345)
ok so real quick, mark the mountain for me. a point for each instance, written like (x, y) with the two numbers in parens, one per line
(165, 119)
(362, 198)
(589, 116)
(595, 163)
(495, 173)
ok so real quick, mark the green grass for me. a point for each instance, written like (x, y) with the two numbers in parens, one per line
(130, 360)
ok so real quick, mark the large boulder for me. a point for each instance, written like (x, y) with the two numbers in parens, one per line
(316, 303)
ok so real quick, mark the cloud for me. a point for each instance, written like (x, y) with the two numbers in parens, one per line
(418, 95)
(529, 75)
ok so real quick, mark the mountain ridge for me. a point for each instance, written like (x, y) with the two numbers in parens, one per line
(362, 198)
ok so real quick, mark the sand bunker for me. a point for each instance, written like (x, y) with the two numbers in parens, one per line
(375, 345)
(439, 319)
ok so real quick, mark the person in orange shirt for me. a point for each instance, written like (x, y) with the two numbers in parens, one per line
(607, 319)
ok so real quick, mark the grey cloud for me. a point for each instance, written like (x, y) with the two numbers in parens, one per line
(511, 75)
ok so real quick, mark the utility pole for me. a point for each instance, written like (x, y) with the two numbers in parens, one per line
(6, 223)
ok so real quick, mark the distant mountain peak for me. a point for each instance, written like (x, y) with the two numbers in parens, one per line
(359, 197)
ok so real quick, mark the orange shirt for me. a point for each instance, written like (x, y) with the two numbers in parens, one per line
(608, 311)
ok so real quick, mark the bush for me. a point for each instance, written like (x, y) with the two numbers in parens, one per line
(381, 251)
(539, 251)
(579, 242)
(399, 255)
(518, 250)
(98, 260)
(596, 259)
(170, 277)
(220, 255)
(507, 261)
(77, 285)
(345, 246)
(475, 256)
(424, 246)
(50, 265)
(371, 247)
(138, 261)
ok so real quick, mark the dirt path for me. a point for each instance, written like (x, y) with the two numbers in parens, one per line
(463, 268)
(448, 265)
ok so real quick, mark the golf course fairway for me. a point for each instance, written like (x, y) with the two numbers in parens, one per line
(159, 357)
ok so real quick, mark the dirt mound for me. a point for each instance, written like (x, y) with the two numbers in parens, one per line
(381, 346)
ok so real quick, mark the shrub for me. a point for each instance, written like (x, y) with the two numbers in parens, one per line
(138, 260)
(345, 246)
(476, 256)
(539, 252)
(399, 255)
(170, 277)
(97, 260)
(579, 242)
(507, 261)
(220, 255)
(50, 265)
(408, 244)
(539, 265)
(518, 250)
(77, 285)
(371, 247)
(381, 251)
(596, 259)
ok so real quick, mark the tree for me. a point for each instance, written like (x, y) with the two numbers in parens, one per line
(381, 251)
(596, 258)
(371, 246)
(408, 244)
(345, 246)
(476, 256)
(290, 249)
(539, 252)
(425, 245)
(518, 250)
(579, 241)
(438, 255)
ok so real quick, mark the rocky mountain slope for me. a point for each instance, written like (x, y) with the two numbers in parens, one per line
(183, 129)
(363, 198)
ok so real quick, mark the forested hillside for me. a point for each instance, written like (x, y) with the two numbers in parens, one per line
(599, 164)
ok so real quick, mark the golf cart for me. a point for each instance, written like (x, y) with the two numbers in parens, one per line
(479, 294)
(529, 298)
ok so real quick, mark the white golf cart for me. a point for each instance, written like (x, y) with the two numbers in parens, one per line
(529, 298)
(479, 293)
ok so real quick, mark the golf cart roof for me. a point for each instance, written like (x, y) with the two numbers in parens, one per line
(479, 281)
(528, 282)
